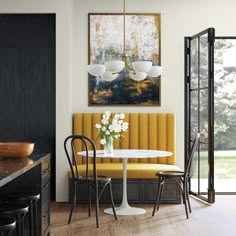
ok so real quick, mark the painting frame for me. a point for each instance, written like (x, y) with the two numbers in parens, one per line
(104, 44)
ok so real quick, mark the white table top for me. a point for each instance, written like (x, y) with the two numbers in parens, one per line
(129, 153)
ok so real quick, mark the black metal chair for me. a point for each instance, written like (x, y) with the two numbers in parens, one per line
(18, 212)
(181, 177)
(90, 177)
(7, 226)
(29, 198)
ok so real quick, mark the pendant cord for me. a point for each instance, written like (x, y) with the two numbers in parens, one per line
(124, 57)
(124, 25)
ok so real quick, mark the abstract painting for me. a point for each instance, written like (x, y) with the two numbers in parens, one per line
(106, 42)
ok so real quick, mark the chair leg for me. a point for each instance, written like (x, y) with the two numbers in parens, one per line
(112, 202)
(187, 194)
(159, 200)
(157, 194)
(73, 202)
(35, 218)
(22, 225)
(31, 218)
(89, 204)
(189, 206)
(185, 200)
(97, 204)
(18, 225)
(157, 197)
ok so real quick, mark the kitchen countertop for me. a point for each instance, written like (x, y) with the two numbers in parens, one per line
(11, 168)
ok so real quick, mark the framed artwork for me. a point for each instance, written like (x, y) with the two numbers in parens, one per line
(106, 42)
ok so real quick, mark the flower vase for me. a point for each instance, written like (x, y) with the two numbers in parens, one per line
(108, 147)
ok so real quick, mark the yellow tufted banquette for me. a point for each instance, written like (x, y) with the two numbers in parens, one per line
(146, 131)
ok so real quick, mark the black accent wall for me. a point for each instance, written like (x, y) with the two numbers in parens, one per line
(27, 82)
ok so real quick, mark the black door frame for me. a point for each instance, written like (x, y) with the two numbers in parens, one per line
(211, 36)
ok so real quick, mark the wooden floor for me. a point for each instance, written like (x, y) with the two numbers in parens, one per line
(218, 219)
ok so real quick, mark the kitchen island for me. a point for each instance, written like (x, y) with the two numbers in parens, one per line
(30, 174)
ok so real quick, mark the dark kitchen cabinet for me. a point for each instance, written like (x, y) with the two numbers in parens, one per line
(27, 82)
(29, 174)
(45, 199)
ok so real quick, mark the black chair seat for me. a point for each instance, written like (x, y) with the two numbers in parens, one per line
(7, 225)
(22, 197)
(15, 209)
(99, 178)
(170, 174)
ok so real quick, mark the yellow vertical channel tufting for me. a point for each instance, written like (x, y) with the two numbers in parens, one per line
(146, 131)
(125, 139)
(162, 119)
(96, 119)
(143, 134)
(152, 135)
(171, 138)
(124, 144)
(116, 145)
(133, 133)
(104, 160)
(77, 129)
(87, 127)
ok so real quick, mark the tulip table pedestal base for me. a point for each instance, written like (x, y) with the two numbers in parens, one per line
(125, 208)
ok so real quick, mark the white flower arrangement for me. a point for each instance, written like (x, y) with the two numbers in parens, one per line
(111, 126)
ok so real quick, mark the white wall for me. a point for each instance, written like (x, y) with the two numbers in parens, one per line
(178, 19)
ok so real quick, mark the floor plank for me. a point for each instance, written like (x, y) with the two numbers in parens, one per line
(205, 220)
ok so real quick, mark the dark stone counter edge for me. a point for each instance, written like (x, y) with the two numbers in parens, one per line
(6, 177)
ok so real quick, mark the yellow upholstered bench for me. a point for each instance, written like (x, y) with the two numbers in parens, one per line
(134, 170)
(146, 131)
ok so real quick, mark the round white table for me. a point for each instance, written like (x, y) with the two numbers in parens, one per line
(124, 154)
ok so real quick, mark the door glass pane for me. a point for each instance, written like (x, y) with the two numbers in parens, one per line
(194, 63)
(203, 168)
(203, 125)
(204, 114)
(193, 130)
(203, 63)
(225, 114)
(194, 183)
(194, 111)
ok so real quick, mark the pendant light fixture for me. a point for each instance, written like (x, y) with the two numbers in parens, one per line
(139, 71)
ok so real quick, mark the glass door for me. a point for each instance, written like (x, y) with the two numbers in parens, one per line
(199, 111)
(225, 114)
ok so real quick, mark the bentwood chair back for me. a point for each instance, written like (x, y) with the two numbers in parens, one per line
(89, 177)
(181, 177)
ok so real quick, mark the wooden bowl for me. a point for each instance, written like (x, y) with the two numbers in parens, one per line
(16, 149)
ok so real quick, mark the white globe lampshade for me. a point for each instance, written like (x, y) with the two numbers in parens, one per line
(137, 76)
(155, 71)
(108, 76)
(114, 66)
(96, 69)
(142, 66)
